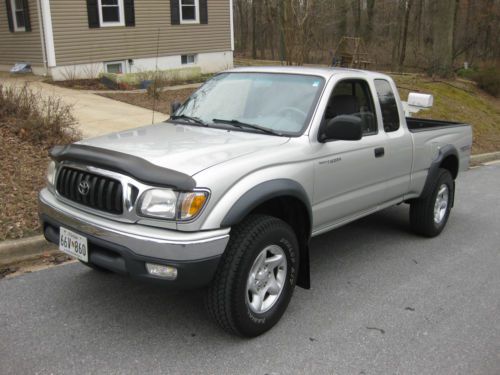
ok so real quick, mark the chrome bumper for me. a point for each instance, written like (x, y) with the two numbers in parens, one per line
(140, 239)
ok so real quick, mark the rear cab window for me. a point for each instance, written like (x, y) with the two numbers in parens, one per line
(388, 105)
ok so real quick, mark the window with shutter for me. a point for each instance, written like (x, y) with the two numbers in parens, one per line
(111, 13)
(189, 11)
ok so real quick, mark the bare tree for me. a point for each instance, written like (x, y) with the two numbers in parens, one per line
(413, 34)
(402, 56)
(442, 42)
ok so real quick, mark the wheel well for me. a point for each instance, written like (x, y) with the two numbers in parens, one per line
(294, 212)
(289, 209)
(451, 164)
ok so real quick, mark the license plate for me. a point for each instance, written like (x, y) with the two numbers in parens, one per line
(73, 244)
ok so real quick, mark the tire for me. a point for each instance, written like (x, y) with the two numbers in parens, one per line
(425, 217)
(233, 298)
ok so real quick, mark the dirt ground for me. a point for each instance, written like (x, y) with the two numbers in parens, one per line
(21, 177)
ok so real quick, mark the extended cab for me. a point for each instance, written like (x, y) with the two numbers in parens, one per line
(228, 192)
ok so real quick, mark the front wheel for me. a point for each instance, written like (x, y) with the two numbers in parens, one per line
(429, 215)
(256, 276)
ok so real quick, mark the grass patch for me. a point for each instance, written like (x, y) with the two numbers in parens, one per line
(30, 124)
(460, 101)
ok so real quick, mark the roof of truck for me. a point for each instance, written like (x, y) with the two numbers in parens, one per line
(325, 72)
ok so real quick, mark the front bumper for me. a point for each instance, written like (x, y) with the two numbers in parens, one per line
(125, 248)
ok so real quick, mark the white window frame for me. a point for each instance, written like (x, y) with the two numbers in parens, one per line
(14, 18)
(189, 54)
(121, 13)
(196, 13)
(122, 63)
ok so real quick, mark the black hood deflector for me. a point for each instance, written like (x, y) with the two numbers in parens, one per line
(129, 165)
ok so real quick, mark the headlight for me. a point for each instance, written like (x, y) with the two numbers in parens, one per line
(160, 203)
(169, 204)
(51, 173)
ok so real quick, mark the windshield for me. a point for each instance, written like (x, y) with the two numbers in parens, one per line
(282, 103)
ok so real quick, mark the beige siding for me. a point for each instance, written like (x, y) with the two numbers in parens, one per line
(20, 46)
(76, 43)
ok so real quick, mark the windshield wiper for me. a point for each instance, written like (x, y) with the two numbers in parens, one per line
(241, 125)
(195, 120)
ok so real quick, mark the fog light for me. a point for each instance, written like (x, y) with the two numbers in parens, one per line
(167, 272)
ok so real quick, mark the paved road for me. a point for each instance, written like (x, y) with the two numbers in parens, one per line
(383, 302)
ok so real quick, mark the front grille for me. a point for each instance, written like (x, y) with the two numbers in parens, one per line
(99, 192)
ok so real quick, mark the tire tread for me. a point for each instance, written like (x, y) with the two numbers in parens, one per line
(422, 209)
(218, 298)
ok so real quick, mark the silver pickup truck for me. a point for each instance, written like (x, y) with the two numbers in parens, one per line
(228, 192)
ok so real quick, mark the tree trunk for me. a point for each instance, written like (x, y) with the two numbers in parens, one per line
(402, 55)
(443, 17)
(254, 30)
(356, 12)
(342, 22)
(396, 35)
(370, 10)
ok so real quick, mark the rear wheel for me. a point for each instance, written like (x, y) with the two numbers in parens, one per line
(429, 215)
(256, 276)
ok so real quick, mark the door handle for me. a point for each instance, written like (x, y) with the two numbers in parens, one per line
(379, 152)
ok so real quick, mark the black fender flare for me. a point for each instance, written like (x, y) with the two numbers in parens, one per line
(444, 152)
(263, 192)
(268, 190)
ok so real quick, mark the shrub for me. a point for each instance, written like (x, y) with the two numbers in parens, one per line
(158, 81)
(466, 73)
(35, 117)
(488, 79)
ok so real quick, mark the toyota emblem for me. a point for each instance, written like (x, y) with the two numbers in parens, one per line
(83, 187)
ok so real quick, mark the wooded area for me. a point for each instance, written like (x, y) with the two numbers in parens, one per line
(416, 35)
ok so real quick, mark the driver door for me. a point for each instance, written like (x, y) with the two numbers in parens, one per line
(349, 175)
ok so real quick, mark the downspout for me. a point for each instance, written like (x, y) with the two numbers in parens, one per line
(48, 35)
(42, 37)
(231, 23)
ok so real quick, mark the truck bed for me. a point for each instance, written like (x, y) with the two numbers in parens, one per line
(420, 124)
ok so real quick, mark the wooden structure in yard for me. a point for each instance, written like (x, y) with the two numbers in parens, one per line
(351, 53)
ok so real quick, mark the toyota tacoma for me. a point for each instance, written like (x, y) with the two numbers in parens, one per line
(228, 192)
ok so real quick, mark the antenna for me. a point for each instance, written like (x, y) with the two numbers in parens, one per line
(155, 80)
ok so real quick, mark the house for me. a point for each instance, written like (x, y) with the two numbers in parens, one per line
(68, 39)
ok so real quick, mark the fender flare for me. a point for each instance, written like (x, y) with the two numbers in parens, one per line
(264, 192)
(444, 152)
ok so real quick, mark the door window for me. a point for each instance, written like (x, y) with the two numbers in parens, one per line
(353, 97)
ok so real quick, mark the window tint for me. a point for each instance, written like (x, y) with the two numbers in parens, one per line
(352, 97)
(388, 105)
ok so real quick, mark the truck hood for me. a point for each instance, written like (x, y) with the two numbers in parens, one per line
(184, 148)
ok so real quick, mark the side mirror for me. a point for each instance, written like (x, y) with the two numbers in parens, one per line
(174, 106)
(420, 100)
(342, 128)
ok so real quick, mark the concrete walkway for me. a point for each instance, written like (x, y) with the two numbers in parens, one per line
(95, 114)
